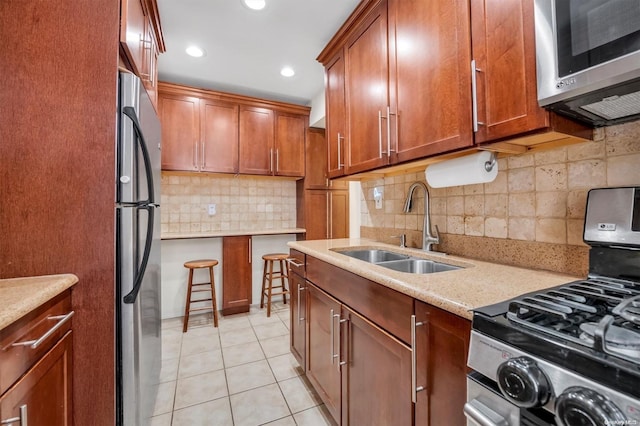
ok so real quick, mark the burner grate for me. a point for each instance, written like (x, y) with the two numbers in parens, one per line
(607, 305)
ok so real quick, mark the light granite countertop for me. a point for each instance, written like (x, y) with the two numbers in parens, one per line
(460, 291)
(19, 296)
(217, 234)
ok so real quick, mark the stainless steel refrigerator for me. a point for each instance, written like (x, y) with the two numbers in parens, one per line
(138, 331)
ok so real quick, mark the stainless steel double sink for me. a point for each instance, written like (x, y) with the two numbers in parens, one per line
(399, 261)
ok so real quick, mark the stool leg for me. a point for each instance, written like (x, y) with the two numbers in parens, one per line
(264, 279)
(214, 304)
(283, 276)
(188, 302)
(269, 289)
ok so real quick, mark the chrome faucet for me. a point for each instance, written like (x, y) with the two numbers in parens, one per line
(427, 238)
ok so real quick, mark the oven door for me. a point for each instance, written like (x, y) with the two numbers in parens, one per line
(486, 407)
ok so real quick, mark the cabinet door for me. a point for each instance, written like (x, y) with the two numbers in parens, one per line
(323, 367)
(336, 115)
(504, 50)
(256, 141)
(442, 343)
(338, 214)
(367, 93)
(430, 46)
(377, 377)
(316, 210)
(44, 391)
(316, 160)
(219, 133)
(149, 74)
(133, 32)
(236, 274)
(298, 324)
(289, 145)
(179, 116)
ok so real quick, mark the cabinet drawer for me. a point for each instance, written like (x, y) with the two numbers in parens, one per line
(16, 358)
(387, 308)
(297, 263)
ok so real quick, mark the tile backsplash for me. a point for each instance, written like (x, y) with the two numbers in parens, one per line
(243, 203)
(537, 197)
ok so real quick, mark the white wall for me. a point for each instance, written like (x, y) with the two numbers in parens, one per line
(318, 111)
(355, 201)
(174, 275)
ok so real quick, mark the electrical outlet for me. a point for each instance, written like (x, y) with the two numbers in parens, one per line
(212, 209)
(378, 195)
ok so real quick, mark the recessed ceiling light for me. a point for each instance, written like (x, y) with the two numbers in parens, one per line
(255, 4)
(195, 51)
(287, 72)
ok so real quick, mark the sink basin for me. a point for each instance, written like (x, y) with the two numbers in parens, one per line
(399, 262)
(418, 266)
(374, 256)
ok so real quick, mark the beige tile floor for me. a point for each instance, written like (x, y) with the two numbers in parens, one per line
(239, 374)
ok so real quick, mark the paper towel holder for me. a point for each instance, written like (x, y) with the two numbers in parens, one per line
(489, 165)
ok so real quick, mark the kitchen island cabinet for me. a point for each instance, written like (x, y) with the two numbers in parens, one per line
(236, 274)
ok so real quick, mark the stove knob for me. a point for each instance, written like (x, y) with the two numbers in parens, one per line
(523, 383)
(582, 406)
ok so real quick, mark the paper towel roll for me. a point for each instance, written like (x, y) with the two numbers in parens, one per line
(466, 170)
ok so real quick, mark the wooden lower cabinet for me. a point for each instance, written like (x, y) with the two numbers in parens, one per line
(43, 394)
(376, 374)
(323, 366)
(359, 352)
(236, 274)
(442, 342)
(298, 325)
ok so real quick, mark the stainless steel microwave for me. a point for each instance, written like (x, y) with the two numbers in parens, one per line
(588, 59)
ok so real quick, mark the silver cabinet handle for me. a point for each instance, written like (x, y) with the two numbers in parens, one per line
(380, 133)
(330, 215)
(326, 196)
(270, 160)
(277, 160)
(204, 159)
(300, 288)
(196, 165)
(333, 348)
(250, 248)
(340, 165)
(414, 387)
(474, 96)
(389, 150)
(482, 415)
(21, 420)
(292, 261)
(340, 361)
(35, 343)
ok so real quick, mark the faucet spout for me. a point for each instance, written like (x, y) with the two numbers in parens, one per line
(428, 239)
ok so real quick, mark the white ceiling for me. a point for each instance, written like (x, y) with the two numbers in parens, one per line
(245, 49)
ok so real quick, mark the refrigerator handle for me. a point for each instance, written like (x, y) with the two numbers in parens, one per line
(131, 113)
(137, 279)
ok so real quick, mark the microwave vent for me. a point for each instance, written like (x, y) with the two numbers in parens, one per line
(614, 107)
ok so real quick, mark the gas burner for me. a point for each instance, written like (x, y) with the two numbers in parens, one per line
(598, 313)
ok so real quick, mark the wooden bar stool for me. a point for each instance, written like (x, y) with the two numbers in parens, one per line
(198, 264)
(269, 275)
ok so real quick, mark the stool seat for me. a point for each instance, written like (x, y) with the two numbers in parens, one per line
(201, 263)
(269, 275)
(192, 265)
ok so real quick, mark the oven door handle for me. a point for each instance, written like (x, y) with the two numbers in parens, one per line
(482, 415)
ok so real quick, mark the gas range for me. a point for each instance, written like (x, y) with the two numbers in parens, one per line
(568, 355)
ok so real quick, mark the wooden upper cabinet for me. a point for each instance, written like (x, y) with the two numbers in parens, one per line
(430, 77)
(289, 145)
(219, 134)
(256, 140)
(504, 51)
(133, 32)
(366, 83)
(180, 118)
(336, 115)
